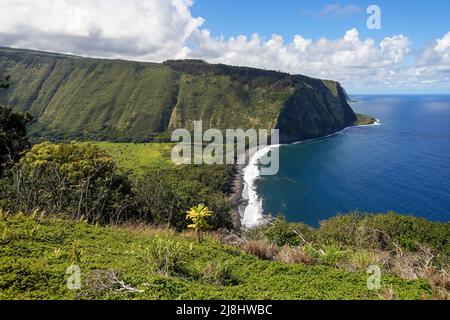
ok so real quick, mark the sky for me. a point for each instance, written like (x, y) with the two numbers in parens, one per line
(409, 53)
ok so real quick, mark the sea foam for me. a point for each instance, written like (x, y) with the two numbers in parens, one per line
(253, 213)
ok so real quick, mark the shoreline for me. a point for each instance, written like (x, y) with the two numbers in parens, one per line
(238, 186)
(239, 183)
(236, 197)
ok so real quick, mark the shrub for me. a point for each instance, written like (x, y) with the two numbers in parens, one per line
(261, 249)
(440, 283)
(199, 216)
(340, 229)
(410, 233)
(297, 255)
(220, 274)
(359, 260)
(167, 257)
(216, 177)
(281, 233)
(79, 180)
(385, 232)
(413, 265)
(332, 255)
(387, 293)
(13, 136)
(162, 197)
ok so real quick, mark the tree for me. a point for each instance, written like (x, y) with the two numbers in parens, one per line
(13, 136)
(162, 197)
(4, 83)
(199, 216)
(79, 180)
(13, 132)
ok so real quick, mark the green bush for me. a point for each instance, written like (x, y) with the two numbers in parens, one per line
(215, 177)
(78, 180)
(340, 229)
(385, 231)
(167, 257)
(408, 232)
(332, 255)
(82, 180)
(164, 198)
(13, 136)
(220, 274)
(281, 233)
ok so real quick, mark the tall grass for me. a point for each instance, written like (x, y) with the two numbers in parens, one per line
(167, 256)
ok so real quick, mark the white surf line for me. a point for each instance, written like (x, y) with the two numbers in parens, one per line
(253, 214)
(377, 123)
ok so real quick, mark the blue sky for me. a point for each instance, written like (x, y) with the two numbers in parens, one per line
(322, 38)
(422, 21)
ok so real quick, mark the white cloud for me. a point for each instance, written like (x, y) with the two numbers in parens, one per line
(433, 63)
(353, 61)
(137, 28)
(352, 35)
(301, 43)
(443, 44)
(156, 30)
(395, 47)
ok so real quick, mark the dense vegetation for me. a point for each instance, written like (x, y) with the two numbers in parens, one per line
(389, 232)
(163, 197)
(141, 262)
(4, 82)
(78, 180)
(120, 213)
(363, 119)
(13, 136)
(13, 132)
(146, 258)
(93, 99)
(82, 180)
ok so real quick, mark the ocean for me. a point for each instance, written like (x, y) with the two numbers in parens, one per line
(402, 164)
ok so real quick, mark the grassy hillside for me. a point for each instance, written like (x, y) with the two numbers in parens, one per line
(139, 157)
(74, 97)
(160, 264)
(128, 252)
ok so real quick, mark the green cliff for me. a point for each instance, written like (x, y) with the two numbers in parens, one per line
(75, 97)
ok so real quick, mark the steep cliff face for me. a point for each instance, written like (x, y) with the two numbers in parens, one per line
(317, 107)
(73, 97)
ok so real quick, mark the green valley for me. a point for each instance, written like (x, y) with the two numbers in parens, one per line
(88, 185)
